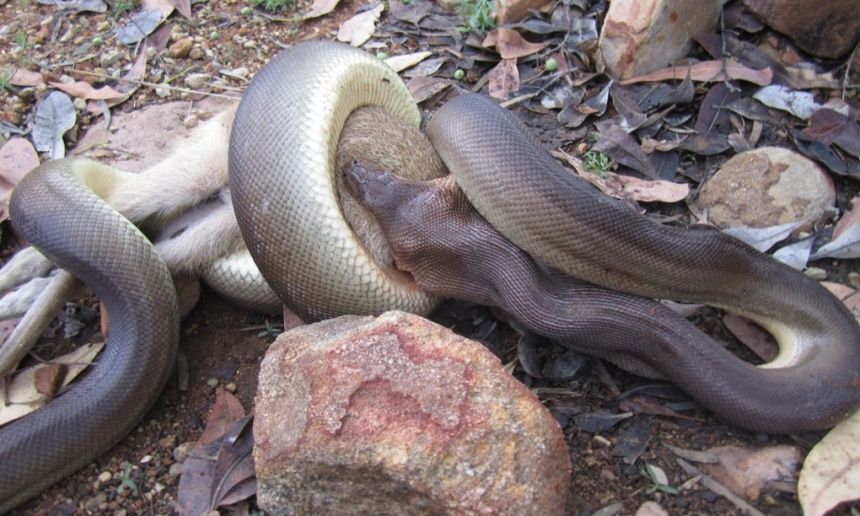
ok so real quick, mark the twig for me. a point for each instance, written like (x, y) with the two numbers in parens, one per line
(847, 76)
(154, 85)
(37, 318)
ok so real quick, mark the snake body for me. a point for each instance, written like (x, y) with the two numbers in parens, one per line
(58, 211)
(282, 175)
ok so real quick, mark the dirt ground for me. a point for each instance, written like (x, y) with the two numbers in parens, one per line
(220, 351)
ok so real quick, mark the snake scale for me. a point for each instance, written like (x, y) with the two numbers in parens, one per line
(282, 160)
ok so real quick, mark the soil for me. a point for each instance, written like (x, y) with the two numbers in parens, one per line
(220, 351)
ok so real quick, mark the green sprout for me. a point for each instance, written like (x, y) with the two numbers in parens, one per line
(659, 480)
(121, 7)
(598, 162)
(478, 13)
(273, 6)
(126, 482)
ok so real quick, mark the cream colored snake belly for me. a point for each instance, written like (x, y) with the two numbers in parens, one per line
(282, 155)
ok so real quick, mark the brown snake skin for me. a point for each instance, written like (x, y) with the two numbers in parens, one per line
(565, 222)
(282, 155)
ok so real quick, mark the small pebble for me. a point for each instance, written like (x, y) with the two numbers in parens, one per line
(854, 279)
(212, 382)
(168, 442)
(180, 48)
(230, 387)
(105, 476)
(197, 53)
(816, 273)
(175, 470)
(191, 121)
(181, 452)
(196, 81)
(146, 459)
(79, 103)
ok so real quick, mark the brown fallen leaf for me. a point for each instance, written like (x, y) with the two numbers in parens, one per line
(127, 85)
(422, 88)
(828, 127)
(753, 336)
(226, 410)
(831, 471)
(504, 79)
(183, 6)
(220, 469)
(707, 71)
(320, 8)
(747, 471)
(26, 78)
(87, 91)
(849, 218)
(647, 405)
(17, 158)
(20, 397)
(49, 379)
(744, 471)
(510, 44)
(631, 188)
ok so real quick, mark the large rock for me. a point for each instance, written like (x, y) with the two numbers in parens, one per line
(397, 415)
(825, 28)
(765, 187)
(640, 36)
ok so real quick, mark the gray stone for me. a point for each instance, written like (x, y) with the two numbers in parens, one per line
(766, 187)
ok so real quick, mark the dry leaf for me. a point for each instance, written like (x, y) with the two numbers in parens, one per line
(127, 85)
(400, 63)
(183, 6)
(747, 471)
(801, 104)
(504, 79)
(846, 245)
(165, 6)
(21, 396)
(763, 238)
(422, 88)
(510, 44)
(831, 471)
(49, 379)
(848, 219)
(55, 114)
(86, 90)
(226, 410)
(360, 27)
(220, 468)
(707, 71)
(628, 187)
(24, 77)
(320, 8)
(139, 26)
(753, 336)
(17, 158)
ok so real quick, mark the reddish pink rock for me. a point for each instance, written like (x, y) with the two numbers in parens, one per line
(395, 415)
(826, 28)
(640, 36)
